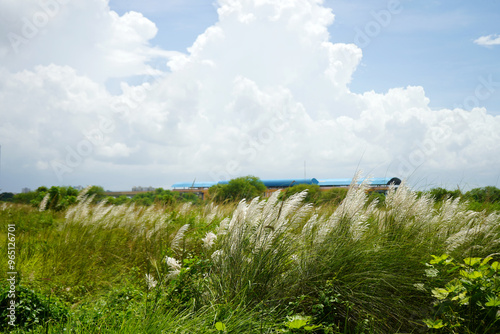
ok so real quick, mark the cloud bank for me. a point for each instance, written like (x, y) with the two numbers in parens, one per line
(259, 92)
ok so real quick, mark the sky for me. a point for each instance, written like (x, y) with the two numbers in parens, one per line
(149, 93)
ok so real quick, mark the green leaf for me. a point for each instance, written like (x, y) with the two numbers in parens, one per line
(440, 293)
(296, 323)
(220, 326)
(493, 301)
(471, 275)
(312, 327)
(434, 323)
(471, 261)
(438, 259)
(486, 260)
(495, 266)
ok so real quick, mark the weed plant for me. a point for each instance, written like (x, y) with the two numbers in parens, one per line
(258, 266)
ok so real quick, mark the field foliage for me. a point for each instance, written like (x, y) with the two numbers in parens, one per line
(285, 264)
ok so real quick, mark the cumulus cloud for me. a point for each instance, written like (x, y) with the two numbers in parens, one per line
(488, 40)
(258, 93)
(83, 34)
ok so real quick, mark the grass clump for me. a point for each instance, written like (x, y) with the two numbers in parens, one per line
(271, 265)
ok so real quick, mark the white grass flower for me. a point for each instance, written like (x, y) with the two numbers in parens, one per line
(173, 273)
(172, 263)
(174, 266)
(150, 280)
(43, 203)
(83, 194)
(216, 256)
(223, 226)
(209, 240)
(184, 209)
(179, 237)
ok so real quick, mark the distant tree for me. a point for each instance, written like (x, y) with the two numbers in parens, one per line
(237, 189)
(6, 197)
(440, 194)
(98, 191)
(25, 198)
(313, 192)
(484, 195)
(190, 197)
(160, 196)
(42, 189)
(118, 200)
(333, 196)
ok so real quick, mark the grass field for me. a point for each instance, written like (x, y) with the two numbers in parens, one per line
(260, 266)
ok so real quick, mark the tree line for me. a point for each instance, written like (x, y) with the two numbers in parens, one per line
(59, 198)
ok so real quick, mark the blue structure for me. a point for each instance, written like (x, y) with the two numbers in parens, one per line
(194, 184)
(282, 183)
(372, 181)
(285, 183)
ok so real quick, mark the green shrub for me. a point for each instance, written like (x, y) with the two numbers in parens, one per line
(440, 194)
(486, 194)
(470, 301)
(32, 308)
(313, 192)
(237, 189)
(333, 196)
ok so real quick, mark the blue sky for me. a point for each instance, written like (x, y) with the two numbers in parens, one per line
(150, 93)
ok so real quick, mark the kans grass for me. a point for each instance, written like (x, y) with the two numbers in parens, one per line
(251, 267)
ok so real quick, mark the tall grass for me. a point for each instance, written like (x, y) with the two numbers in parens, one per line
(355, 268)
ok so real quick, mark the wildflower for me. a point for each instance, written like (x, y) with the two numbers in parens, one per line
(150, 280)
(174, 265)
(216, 256)
(43, 203)
(209, 240)
(179, 237)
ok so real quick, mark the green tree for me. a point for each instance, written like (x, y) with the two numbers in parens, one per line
(333, 196)
(313, 192)
(440, 194)
(98, 191)
(486, 194)
(6, 197)
(237, 189)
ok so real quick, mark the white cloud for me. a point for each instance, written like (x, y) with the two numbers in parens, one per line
(258, 93)
(488, 40)
(83, 34)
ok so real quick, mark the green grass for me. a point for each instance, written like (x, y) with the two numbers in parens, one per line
(358, 267)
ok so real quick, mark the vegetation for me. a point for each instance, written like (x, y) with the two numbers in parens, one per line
(60, 198)
(470, 301)
(159, 196)
(237, 189)
(275, 265)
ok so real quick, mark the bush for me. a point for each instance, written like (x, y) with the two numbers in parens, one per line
(440, 194)
(237, 189)
(32, 308)
(333, 196)
(313, 192)
(470, 301)
(6, 197)
(486, 194)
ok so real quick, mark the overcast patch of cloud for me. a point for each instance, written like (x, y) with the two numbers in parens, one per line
(258, 93)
